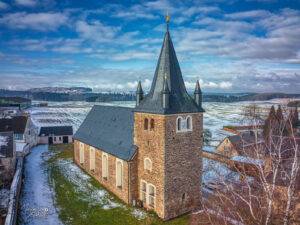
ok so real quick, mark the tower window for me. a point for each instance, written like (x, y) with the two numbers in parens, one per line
(147, 164)
(189, 123)
(151, 124)
(146, 121)
(148, 193)
(179, 123)
(183, 197)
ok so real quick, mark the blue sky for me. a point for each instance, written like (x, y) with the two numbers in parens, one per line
(229, 45)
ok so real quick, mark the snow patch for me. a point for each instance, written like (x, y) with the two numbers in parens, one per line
(3, 141)
(139, 214)
(86, 190)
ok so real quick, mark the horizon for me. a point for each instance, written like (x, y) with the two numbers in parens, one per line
(230, 46)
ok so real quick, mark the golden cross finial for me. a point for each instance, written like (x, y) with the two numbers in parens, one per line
(167, 17)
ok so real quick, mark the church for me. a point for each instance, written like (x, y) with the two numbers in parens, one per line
(150, 155)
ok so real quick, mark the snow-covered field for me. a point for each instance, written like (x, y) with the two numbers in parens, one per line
(216, 116)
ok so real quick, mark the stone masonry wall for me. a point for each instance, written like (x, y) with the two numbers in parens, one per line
(176, 162)
(151, 144)
(110, 182)
(183, 166)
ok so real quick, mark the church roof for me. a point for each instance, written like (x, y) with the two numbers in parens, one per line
(168, 68)
(110, 129)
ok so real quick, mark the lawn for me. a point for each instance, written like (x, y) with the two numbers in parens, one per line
(81, 200)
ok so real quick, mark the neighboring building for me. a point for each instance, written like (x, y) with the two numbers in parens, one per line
(21, 103)
(241, 144)
(9, 111)
(56, 135)
(7, 156)
(25, 133)
(149, 155)
(240, 129)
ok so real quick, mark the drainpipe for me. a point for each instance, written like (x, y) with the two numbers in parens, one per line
(129, 180)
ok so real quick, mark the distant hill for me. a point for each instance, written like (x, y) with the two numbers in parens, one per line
(246, 97)
(62, 90)
(86, 94)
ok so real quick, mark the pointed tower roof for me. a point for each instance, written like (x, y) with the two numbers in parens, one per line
(197, 88)
(168, 68)
(139, 89)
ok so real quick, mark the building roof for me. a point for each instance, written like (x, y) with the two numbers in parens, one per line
(168, 68)
(110, 129)
(16, 124)
(56, 130)
(6, 144)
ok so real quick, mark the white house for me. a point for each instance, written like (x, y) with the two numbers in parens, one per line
(56, 135)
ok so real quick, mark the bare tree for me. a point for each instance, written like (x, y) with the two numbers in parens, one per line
(262, 185)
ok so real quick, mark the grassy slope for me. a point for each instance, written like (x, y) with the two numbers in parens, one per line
(75, 210)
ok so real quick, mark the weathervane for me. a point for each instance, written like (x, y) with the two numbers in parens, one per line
(167, 19)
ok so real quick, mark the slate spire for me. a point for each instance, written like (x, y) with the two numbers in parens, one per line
(168, 72)
(139, 93)
(165, 94)
(198, 94)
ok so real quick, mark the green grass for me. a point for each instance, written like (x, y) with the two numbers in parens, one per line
(74, 209)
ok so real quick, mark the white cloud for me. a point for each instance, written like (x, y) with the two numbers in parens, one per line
(3, 5)
(209, 85)
(27, 3)
(36, 21)
(96, 31)
(253, 14)
(131, 55)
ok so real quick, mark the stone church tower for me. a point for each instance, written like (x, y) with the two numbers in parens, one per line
(168, 131)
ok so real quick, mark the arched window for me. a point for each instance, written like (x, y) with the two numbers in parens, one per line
(189, 125)
(151, 195)
(147, 164)
(119, 173)
(151, 124)
(92, 158)
(179, 122)
(104, 166)
(81, 153)
(146, 124)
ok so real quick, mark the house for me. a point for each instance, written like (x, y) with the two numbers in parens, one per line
(9, 111)
(240, 144)
(149, 155)
(7, 156)
(25, 133)
(56, 135)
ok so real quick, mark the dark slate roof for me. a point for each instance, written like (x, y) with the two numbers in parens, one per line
(6, 146)
(168, 66)
(56, 130)
(16, 124)
(110, 129)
